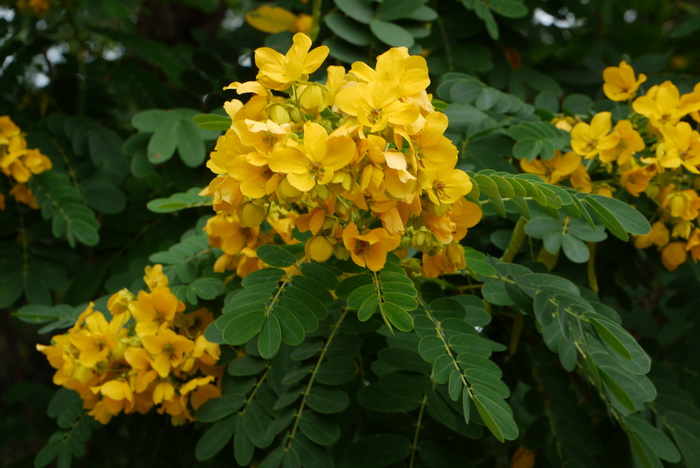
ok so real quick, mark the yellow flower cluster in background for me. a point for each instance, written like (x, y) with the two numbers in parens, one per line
(360, 162)
(653, 151)
(19, 162)
(38, 7)
(149, 353)
(273, 19)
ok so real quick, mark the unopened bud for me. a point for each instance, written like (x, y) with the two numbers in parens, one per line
(279, 114)
(251, 214)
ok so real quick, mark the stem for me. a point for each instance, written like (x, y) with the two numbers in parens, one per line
(255, 389)
(590, 269)
(414, 446)
(516, 334)
(285, 281)
(445, 41)
(316, 19)
(306, 391)
(516, 241)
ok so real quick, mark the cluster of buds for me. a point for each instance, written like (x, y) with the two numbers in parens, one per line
(360, 162)
(654, 151)
(148, 353)
(19, 162)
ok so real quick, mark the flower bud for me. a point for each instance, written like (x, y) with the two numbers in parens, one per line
(279, 114)
(251, 214)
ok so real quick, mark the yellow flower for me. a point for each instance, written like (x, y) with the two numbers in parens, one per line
(630, 143)
(155, 310)
(684, 204)
(693, 245)
(98, 338)
(680, 146)
(319, 248)
(317, 161)
(279, 71)
(142, 371)
(658, 236)
(167, 349)
(448, 260)
(155, 278)
(447, 187)
(376, 104)
(408, 72)
(636, 180)
(589, 140)
(227, 233)
(555, 169)
(663, 105)
(673, 255)
(7, 129)
(431, 146)
(369, 249)
(39, 7)
(24, 194)
(620, 83)
(581, 180)
(273, 19)
(119, 302)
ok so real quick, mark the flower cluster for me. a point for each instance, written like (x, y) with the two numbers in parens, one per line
(19, 162)
(361, 163)
(150, 352)
(653, 151)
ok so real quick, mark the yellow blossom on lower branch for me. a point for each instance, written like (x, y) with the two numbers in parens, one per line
(116, 369)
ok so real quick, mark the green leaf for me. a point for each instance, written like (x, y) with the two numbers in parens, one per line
(242, 328)
(66, 207)
(403, 384)
(509, 8)
(326, 400)
(455, 386)
(577, 104)
(378, 450)
(47, 453)
(431, 348)
(617, 391)
(423, 14)
(359, 10)
(497, 418)
(148, 120)
(276, 256)
(391, 34)
(214, 122)
(270, 337)
(103, 196)
(218, 408)
(292, 330)
(246, 365)
(348, 29)
(162, 145)
(391, 10)
(398, 317)
(574, 249)
(350, 284)
(653, 438)
(214, 439)
(337, 371)
(179, 201)
(630, 219)
(190, 145)
(319, 429)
